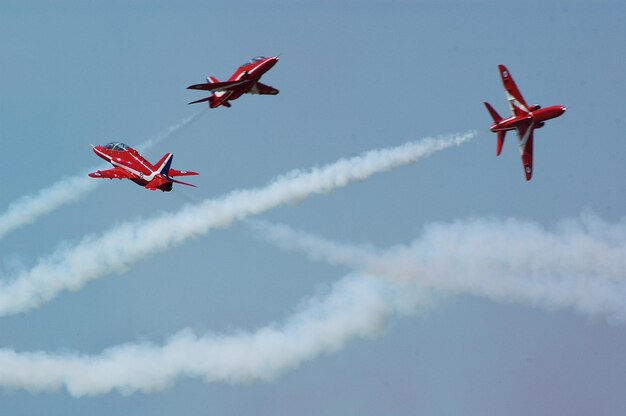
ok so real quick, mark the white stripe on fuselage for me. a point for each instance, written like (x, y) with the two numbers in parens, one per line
(139, 174)
(514, 103)
(251, 71)
(222, 93)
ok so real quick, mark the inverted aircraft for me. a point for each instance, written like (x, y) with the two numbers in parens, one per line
(245, 80)
(525, 119)
(129, 164)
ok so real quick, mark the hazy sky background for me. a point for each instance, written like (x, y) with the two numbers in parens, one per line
(353, 76)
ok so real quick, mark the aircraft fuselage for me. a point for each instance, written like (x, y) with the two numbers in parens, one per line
(245, 80)
(250, 72)
(536, 117)
(129, 164)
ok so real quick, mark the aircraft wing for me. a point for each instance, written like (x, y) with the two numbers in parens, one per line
(525, 136)
(174, 172)
(263, 89)
(516, 101)
(217, 98)
(218, 86)
(202, 100)
(114, 173)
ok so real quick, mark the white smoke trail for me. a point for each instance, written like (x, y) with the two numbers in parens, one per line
(96, 256)
(357, 306)
(29, 208)
(176, 128)
(581, 264)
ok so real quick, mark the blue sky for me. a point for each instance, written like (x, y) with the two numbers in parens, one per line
(353, 76)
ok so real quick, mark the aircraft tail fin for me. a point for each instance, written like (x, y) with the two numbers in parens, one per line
(494, 114)
(211, 80)
(163, 165)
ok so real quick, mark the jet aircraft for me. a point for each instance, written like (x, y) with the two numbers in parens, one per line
(244, 80)
(129, 164)
(525, 120)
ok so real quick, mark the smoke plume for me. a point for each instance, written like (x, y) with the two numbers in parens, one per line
(98, 255)
(357, 306)
(579, 265)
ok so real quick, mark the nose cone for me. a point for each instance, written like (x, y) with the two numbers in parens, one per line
(560, 109)
(271, 61)
(101, 152)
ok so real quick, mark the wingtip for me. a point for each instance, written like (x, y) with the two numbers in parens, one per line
(528, 172)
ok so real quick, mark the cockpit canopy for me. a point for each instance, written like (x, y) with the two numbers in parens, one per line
(119, 146)
(254, 60)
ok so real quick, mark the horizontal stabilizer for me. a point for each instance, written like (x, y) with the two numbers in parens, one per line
(164, 183)
(181, 182)
(174, 172)
(494, 114)
(500, 143)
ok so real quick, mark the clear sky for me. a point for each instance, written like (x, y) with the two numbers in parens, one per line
(353, 76)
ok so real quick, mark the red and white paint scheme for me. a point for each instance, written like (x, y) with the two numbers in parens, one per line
(525, 120)
(129, 164)
(245, 80)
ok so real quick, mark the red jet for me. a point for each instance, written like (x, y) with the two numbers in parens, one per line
(525, 120)
(245, 80)
(128, 164)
